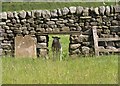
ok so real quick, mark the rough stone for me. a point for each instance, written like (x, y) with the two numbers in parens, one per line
(86, 11)
(79, 9)
(72, 9)
(15, 15)
(107, 11)
(56, 30)
(59, 12)
(38, 13)
(25, 32)
(46, 14)
(102, 10)
(43, 52)
(65, 29)
(40, 30)
(96, 10)
(10, 15)
(85, 50)
(49, 29)
(118, 17)
(117, 44)
(28, 13)
(83, 38)
(3, 15)
(25, 47)
(117, 9)
(41, 39)
(42, 45)
(50, 22)
(114, 23)
(111, 9)
(65, 11)
(74, 46)
(54, 13)
(22, 14)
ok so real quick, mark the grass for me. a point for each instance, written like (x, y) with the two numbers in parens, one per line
(80, 70)
(101, 70)
(90, 70)
(64, 40)
(17, 6)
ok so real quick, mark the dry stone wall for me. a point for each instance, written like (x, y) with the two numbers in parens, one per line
(79, 18)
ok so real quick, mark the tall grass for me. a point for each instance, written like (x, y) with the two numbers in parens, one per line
(101, 70)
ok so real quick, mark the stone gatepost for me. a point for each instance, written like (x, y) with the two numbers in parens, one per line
(25, 47)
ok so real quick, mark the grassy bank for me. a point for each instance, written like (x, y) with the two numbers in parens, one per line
(16, 6)
(103, 70)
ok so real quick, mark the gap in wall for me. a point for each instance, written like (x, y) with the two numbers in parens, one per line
(64, 40)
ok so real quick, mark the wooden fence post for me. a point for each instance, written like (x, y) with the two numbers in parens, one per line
(95, 38)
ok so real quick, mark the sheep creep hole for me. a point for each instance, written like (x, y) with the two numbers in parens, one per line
(44, 43)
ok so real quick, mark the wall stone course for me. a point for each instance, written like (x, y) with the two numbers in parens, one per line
(36, 22)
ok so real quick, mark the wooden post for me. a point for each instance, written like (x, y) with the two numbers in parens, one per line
(95, 38)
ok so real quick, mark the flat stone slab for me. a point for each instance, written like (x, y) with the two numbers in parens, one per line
(25, 47)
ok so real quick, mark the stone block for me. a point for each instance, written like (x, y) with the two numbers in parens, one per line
(114, 23)
(96, 10)
(50, 22)
(107, 10)
(102, 10)
(85, 50)
(79, 10)
(37, 13)
(3, 15)
(117, 44)
(41, 39)
(56, 30)
(10, 15)
(54, 13)
(77, 51)
(74, 46)
(83, 38)
(72, 9)
(42, 45)
(65, 29)
(15, 15)
(46, 14)
(43, 52)
(115, 28)
(40, 29)
(22, 14)
(65, 11)
(25, 47)
(86, 11)
(49, 29)
(117, 9)
(59, 12)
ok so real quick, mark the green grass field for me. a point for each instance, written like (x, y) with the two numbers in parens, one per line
(80, 70)
(91, 70)
(16, 6)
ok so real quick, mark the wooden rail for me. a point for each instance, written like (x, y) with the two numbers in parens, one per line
(97, 39)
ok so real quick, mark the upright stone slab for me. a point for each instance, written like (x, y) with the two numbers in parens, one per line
(25, 47)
